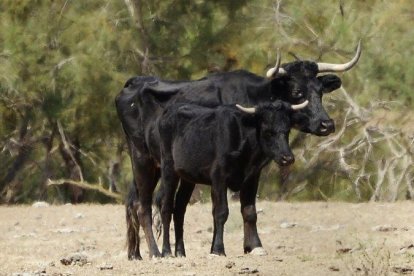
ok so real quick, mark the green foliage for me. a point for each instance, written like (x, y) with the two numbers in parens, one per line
(63, 62)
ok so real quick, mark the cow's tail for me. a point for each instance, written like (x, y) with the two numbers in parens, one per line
(156, 213)
(131, 208)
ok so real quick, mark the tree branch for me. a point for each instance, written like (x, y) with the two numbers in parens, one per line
(85, 185)
(68, 150)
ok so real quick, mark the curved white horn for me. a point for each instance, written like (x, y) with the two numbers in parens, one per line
(299, 106)
(332, 67)
(276, 70)
(250, 110)
(271, 72)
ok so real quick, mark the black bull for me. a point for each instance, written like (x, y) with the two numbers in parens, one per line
(225, 147)
(297, 81)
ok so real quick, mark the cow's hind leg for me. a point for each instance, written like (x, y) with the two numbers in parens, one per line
(146, 176)
(169, 182)
(181, 201)
(248, 210)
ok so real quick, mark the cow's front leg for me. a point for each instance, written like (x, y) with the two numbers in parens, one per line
(169, 182)
(248, 209)
(181, 201)
(220, 214)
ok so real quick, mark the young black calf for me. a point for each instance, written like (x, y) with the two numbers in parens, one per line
(225, 147)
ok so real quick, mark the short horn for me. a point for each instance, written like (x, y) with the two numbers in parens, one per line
(276, 70)
(250, 110)
(332, 67)
(300, 106)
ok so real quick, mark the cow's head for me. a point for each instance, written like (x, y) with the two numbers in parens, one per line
(298, 80)
(273, 122)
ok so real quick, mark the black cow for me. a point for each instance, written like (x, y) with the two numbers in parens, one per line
(293, 83)
(224, 147)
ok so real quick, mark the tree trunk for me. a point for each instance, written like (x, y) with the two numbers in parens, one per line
(48, 143)
(72, 163)
(24, 149)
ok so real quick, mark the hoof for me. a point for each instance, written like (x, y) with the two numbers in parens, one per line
(258, 251)
(167, 255)
(215, 255)
(180, 255)
(134, 258)
(156, 256)
(156, 259)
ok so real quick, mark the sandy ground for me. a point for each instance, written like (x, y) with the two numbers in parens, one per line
(300, 239)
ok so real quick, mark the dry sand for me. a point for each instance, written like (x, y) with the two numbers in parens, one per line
(300, 238)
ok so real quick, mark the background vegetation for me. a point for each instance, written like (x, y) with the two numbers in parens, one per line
(62, 63)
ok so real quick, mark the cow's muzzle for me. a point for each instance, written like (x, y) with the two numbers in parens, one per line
(287, 160)
(326, 127)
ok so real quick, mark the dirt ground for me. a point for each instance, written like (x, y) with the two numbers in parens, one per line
(300, 239)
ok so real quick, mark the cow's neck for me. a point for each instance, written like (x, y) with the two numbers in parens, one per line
(259, 92)
(254, 151)
(249, 161)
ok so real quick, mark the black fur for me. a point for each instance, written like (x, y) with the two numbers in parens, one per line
(225, 148)
(143, 99)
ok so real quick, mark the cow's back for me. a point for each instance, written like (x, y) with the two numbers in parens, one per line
(240, 87)
(199, 139)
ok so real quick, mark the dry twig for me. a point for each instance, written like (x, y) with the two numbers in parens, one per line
(85, 185)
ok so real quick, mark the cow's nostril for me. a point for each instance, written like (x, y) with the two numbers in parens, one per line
(287, 159)
(327, 126)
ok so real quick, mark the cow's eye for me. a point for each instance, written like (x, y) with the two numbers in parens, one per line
(297, 93)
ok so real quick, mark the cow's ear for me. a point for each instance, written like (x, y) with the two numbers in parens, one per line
(330, 83)
(160, 91)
